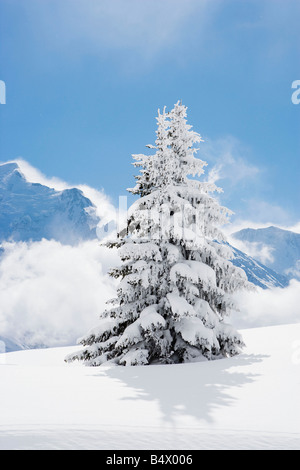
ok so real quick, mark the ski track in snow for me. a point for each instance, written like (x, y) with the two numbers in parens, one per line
(247, 402)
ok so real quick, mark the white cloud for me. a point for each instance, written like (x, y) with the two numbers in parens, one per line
(51, 294)
(33, 175)
(293, 228)
(268, 307)
(231, 166)
(294, 271)
(228, 160)
(259, 251)
(262, 211)
(146, 27)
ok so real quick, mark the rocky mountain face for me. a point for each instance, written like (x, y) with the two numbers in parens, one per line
(257, 273)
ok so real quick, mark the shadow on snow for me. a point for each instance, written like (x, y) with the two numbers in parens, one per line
(187, 389)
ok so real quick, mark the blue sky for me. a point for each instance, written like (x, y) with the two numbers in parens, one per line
(84, 80)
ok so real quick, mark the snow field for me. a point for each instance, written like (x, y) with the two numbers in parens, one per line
(249, 401)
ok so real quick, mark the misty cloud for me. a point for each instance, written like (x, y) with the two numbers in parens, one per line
(275, 306)
(51, 294)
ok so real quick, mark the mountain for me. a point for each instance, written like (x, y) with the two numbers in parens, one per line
(283, 245)
(257, 273)
(31, 211)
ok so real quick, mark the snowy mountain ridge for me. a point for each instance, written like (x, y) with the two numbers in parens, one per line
(32, 211)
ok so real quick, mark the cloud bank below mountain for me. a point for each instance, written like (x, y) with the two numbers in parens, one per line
(51, 294)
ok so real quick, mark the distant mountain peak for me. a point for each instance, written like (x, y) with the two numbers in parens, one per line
(8, 169)
(270, 228)
(30, 211)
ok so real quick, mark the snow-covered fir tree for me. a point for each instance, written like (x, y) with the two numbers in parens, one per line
(176, 279)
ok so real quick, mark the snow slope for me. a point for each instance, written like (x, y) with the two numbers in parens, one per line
(247, 402)
(257, 273)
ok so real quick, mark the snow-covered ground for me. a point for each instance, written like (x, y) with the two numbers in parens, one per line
(247, 402)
